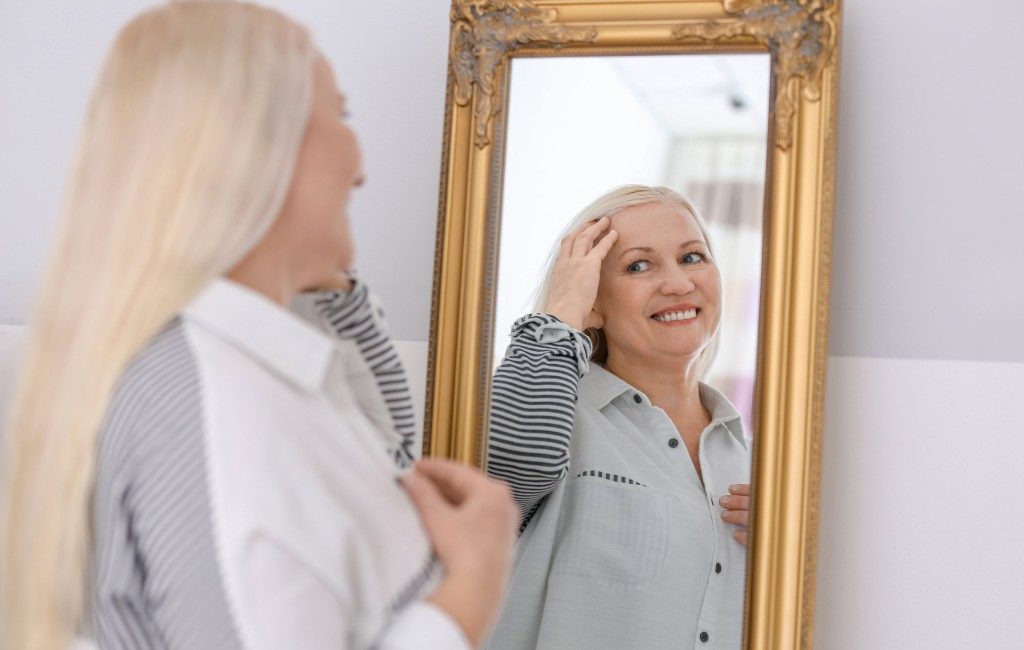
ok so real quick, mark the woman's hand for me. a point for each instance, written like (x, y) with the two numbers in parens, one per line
(577, 271)
(471, 520)
(737, 510)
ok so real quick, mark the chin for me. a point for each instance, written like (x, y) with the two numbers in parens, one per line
(681, 356)
(683, 351)
(346, 254)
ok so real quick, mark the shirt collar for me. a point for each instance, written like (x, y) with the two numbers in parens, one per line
(722, 412)
(259, 327)
(600, 387)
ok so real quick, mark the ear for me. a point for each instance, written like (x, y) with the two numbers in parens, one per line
(594, 319)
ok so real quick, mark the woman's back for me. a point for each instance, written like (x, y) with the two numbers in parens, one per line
(224, 465)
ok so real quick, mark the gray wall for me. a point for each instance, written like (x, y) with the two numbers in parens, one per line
(920, 512)
(929, 221)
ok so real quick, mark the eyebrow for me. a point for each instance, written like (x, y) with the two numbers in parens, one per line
(645, 249)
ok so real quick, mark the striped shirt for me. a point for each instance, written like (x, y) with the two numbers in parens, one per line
(622, 546)
(245, 489)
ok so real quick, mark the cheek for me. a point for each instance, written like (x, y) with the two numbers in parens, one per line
(621, 302)
(711, 287)
(336, 161)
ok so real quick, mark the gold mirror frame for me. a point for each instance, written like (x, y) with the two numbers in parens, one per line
(802, 38)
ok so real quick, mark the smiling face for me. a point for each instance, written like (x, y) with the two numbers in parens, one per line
(660, 296)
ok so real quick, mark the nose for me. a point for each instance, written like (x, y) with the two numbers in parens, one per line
(677, 282)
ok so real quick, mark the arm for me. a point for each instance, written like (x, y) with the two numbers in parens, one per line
(533, 405)
(355, 315)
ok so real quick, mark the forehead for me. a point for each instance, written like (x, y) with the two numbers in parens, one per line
(654, 223)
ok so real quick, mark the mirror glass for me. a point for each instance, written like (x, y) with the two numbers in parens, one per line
(579, 126)
(576, 128)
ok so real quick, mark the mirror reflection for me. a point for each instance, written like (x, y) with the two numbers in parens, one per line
(626, 317)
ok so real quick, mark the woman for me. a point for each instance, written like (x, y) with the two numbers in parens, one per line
(190, 464)
(631, 473)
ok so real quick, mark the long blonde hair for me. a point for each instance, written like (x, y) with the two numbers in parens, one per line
(183, 163)
(609, 204)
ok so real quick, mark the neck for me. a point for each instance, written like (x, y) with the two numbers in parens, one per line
(674, 387)
(262, 271)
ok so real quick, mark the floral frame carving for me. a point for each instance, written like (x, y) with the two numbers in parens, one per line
(802, 38)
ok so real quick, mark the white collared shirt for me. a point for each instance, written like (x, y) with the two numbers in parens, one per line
(312, 542)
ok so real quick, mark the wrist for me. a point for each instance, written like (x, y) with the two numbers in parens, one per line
(565, 315)
(467, 601)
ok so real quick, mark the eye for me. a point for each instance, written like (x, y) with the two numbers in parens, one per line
(693, 257)
(638, 266)
(344, 115)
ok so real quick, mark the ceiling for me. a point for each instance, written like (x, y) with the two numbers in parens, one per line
(691, 94)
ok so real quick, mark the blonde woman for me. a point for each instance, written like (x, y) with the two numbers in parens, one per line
(632, 473)
(191, 464)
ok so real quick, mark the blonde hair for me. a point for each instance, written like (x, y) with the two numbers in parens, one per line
(607, 205)
(184, 159)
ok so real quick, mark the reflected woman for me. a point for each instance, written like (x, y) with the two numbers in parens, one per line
(631, 473)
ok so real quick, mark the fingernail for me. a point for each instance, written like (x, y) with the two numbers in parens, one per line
(734, 488)
(726, 500)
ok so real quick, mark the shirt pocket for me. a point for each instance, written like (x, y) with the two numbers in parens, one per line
(612, 534)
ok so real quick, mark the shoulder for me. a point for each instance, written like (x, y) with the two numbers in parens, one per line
(161, 370)
(158, 390)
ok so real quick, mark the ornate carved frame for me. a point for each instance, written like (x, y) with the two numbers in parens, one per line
(802, 38)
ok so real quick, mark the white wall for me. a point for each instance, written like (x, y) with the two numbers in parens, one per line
(12, 346)
(389, 59)
(920, 510)
(921, 518)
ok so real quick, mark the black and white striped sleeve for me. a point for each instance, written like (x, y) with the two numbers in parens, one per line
(157, 580)
(357, 316)
(533, 405)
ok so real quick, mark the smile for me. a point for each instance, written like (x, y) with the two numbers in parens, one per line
(673, 316)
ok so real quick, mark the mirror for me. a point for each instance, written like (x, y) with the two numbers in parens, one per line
(730, 105)
(637, 516)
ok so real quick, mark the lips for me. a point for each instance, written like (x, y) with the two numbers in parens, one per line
(676, 313)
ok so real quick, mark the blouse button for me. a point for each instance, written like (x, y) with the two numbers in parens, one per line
(673, 443)
(718, 567)
(637, 398)
(704, 637)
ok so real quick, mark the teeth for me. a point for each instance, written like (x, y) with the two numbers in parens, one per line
(676, 315)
